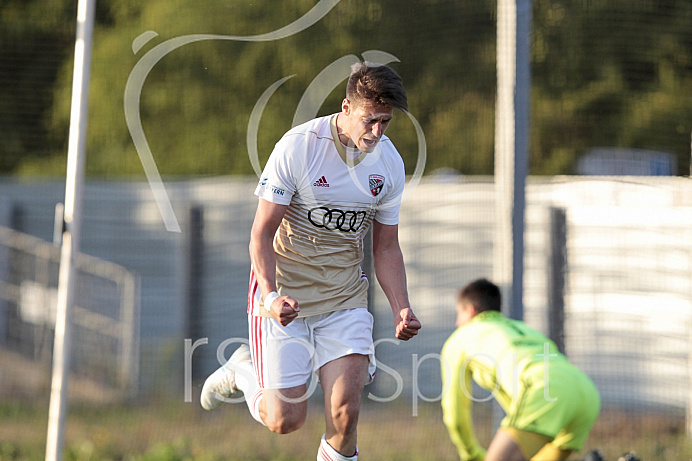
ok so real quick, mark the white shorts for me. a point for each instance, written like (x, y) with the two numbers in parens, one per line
(285, 357)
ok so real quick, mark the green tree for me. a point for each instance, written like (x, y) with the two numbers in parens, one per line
(610, 74)
(604, 74)
(34, 39)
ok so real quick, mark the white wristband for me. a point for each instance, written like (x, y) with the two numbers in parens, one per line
(269, 299)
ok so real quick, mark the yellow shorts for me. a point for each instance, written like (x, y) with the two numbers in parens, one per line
(536, 447)
(562, 406)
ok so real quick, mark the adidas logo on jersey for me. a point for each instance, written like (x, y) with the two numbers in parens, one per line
(322, 182)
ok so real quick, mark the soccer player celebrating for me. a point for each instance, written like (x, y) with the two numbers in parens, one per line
(325, 184)
(550, 404)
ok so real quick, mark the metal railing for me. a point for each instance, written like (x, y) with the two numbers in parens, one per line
(105, 318)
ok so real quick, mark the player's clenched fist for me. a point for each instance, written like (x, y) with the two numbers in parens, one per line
(407, 324)
(284, 309)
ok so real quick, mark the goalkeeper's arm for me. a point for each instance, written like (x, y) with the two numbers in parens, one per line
(457, 406)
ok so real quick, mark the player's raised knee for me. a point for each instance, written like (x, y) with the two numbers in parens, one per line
(283, 419)
(281, 424)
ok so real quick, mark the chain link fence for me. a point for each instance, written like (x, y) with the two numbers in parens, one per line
(105, 351)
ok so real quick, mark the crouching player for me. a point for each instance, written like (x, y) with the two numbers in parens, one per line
(550, 404)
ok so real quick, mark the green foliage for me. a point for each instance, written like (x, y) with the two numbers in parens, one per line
(610, 74)
(34, 39)
(180, 450)
(605, 73)
(8, 451)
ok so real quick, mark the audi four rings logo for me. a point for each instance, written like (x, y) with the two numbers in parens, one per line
(345, 221)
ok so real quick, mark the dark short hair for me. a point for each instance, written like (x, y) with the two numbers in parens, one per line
(378, 84)
(483, 294)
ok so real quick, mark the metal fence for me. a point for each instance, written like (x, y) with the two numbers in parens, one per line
(105, 351)
(629, 302)
(613, 280)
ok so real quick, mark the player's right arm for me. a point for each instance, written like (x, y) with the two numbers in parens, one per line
(456, 403)
(267, 219)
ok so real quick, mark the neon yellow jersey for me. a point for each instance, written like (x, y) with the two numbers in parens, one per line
(506, 357)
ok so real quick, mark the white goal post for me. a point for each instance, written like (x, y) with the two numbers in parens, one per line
(71, 231)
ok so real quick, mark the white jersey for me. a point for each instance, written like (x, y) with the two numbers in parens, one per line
(332, 200)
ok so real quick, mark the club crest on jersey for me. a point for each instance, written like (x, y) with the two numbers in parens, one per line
(376, 184)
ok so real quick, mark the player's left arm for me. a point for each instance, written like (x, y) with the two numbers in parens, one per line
(391, 273)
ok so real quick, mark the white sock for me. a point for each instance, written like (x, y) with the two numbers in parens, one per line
(327, 453)
(246, 381)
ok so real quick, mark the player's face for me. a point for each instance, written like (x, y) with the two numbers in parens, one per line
(465, 312)
(365, 124)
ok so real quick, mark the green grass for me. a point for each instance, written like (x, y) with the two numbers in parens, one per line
(177, 431)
